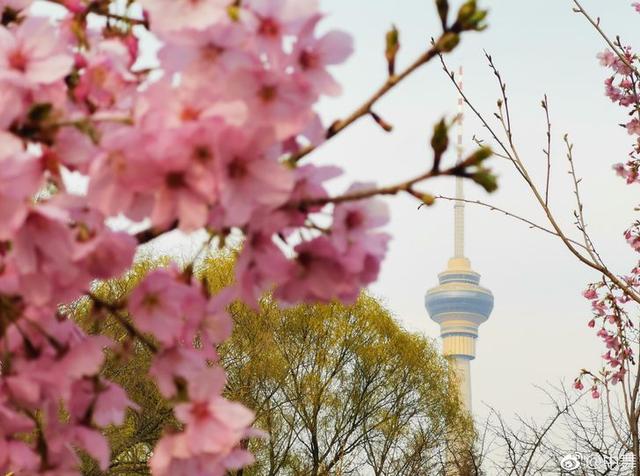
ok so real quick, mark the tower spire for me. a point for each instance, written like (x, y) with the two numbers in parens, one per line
(459, 304)
(458, 206)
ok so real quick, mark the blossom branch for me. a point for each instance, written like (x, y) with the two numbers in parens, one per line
(150, 234)
(596, 24)
(470, 18)
(459, 170)
(116, 311)
(367, 107)
(98, 8)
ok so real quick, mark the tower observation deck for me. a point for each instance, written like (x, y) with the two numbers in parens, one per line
(459, 304)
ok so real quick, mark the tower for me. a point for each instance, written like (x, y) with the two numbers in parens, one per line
(459, 304)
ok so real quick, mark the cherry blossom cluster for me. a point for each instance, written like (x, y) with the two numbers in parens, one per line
(198, 141)
(609, 301)
(611, 307)
(622, 88)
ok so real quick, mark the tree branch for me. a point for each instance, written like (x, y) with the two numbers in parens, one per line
(366, 108)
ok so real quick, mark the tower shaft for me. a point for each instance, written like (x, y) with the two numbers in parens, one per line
(458, 207)
(459, 304)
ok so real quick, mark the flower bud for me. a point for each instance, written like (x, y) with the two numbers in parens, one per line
(392, 48)
(440, 138)
(427, 199)
(448, 42)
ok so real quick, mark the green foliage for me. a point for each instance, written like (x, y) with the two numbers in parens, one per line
(333, 385)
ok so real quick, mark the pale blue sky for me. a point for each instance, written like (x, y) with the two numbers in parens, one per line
(537, 333)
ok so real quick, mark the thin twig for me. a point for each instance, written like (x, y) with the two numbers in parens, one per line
(579, 213)
(545, 106)
(507, 213)
(486, 125)
(503, 91)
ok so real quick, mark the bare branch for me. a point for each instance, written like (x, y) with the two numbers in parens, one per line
(547, 151)
(509, 214)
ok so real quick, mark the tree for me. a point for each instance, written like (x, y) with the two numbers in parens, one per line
(340, 389)
(577, 438)
(213, 136)
(336, 387)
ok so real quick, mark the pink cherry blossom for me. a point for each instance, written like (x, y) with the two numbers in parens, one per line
(633, 127)
(176, 364)
(104, 79)
(251, 176)
(73, 149)
(313, 55)
(32, 54)
(110, 405)
(173, 15)
(163, 106)
(15, 5)
(318, 275)
(354, 221)
(156, 305)
(21, 174)
(214, 428)
(119, 177)
(275, 99)
(219, 49)
(185, 160)
(260, 264)
(276, 18)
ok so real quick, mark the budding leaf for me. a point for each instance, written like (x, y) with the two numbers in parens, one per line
(466, 12)
(443, 12)
(476, 20)
(483, 153)
(439, 142)
(486, 180)
(440, 139)
(392, 48)
(470, 18)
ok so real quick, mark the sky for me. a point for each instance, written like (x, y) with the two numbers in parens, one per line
(537, 333)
